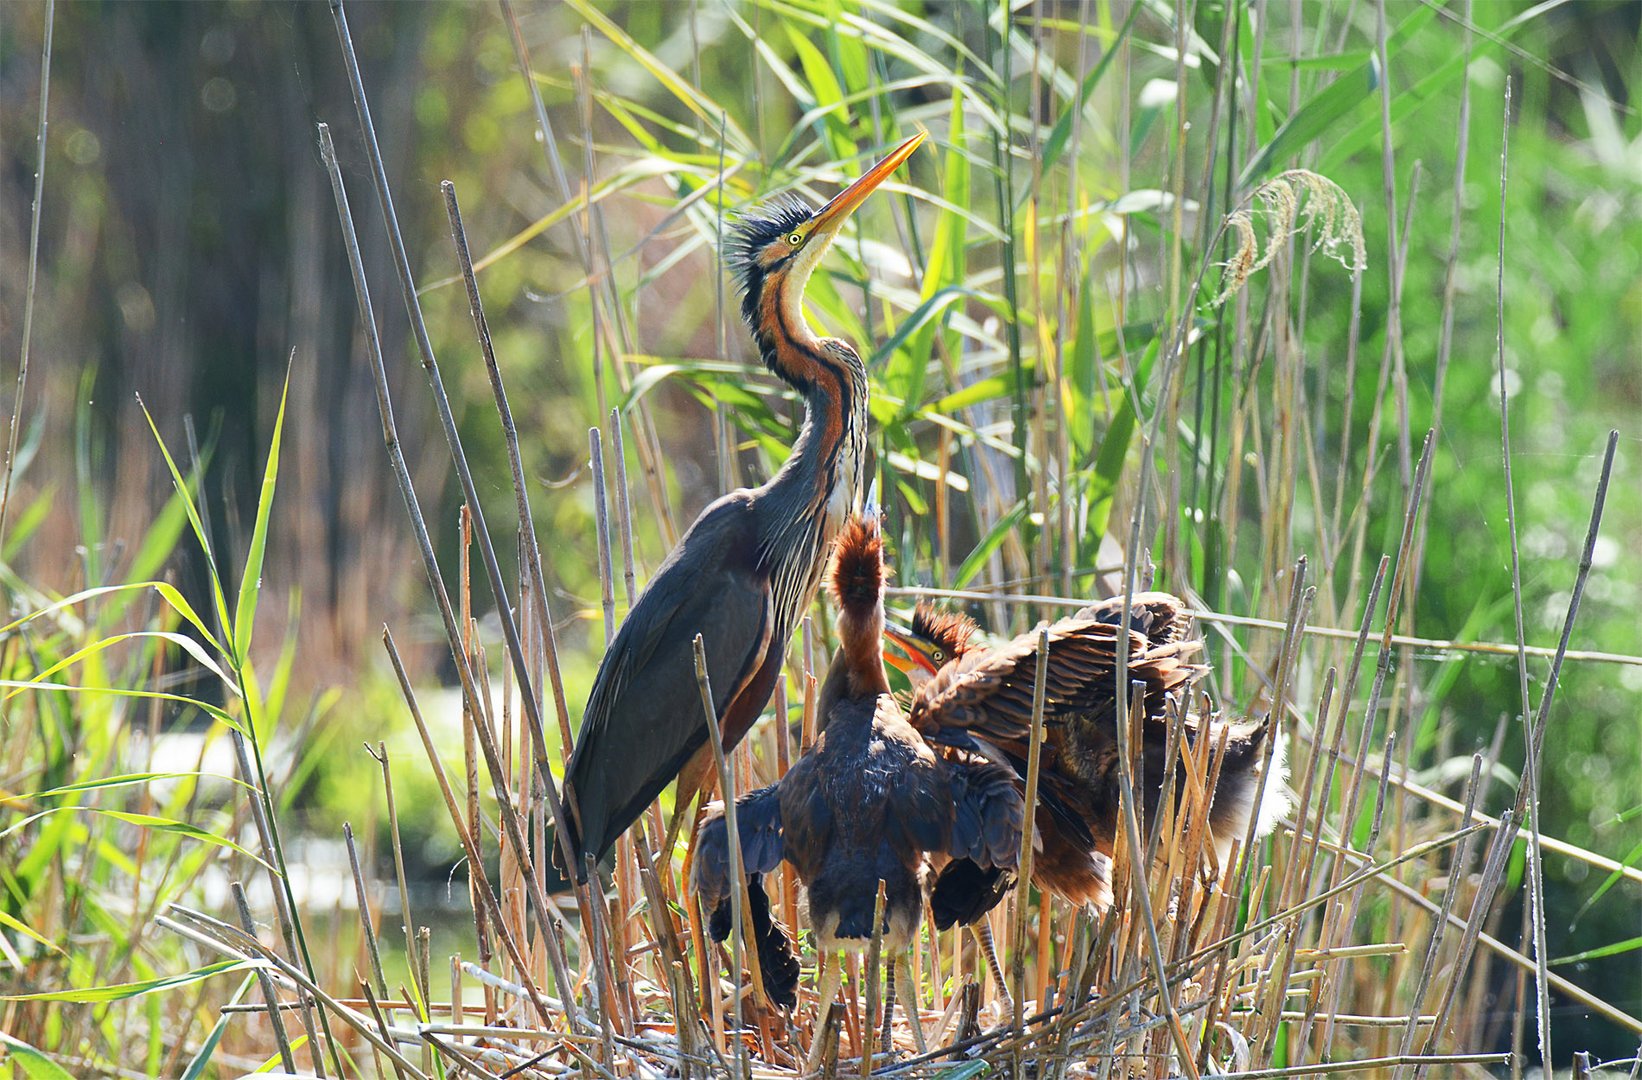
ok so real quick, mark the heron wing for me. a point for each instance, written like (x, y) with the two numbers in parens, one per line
(758, 823)
(644, 717)
(1162, 617)
(988, 695)
(988, 813)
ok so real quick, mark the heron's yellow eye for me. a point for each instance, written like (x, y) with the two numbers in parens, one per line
(938, 656)
(796, 239)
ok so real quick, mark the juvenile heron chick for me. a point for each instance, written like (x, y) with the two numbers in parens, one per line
(979, 698)
(869, 802)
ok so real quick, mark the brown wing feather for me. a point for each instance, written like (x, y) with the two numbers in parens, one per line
(986, 697)
(989, 694)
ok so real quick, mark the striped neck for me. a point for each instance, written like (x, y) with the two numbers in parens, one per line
(804, 505)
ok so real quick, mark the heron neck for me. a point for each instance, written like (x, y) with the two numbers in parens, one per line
(802, 508)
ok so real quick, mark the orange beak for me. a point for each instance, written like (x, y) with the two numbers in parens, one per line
(913, 657)
(831, 217)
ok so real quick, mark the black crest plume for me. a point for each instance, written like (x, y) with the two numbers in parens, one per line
(750, 231)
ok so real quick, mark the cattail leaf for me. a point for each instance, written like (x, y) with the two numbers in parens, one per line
(826, 94)
(691, 98)
(975, 562)
(202, 1058)
(1613, 949)
(126, 780)
(156, 695)
(181, 641)
(143, 821)
(1114, 448)
(28, 931)
(185, 492)
(1314, 117)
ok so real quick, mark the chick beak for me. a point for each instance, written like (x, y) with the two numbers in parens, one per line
(908, 654)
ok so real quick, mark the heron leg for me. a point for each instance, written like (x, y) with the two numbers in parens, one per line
(829, 978)
(983, 937)
(910, 1005)
(685, 808)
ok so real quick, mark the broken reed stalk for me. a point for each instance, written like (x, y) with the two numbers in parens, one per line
(601, 520)
(872, 973)
(726, 788)
(331, 1006)
(1492, 873)
(624, 507)
(362, 895)
(470, 740)
(601, 961)
(621, 936)
(546, 914)
(407, 923)
(381, 1025)
(1459, 869)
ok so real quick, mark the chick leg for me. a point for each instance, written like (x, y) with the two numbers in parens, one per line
(830, 978)
(887, 1041)
(983, 937)
(910, 1005)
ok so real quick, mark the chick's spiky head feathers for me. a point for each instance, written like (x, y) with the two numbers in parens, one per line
(858, 570)
(952, 632)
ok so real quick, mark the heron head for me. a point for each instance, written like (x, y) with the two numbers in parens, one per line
(774, 248)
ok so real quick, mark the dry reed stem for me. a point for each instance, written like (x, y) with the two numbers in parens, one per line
(476, 864)
(726, 787)
(1023, 888)
(1217, 618)
(361, 894)
(512, 826)
(352, 1018)
(487, 550)
(41, 126)
(265, 981)
(510, 438)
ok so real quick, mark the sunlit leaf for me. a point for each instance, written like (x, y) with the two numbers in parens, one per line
(181, 641)
(245, 608)
(35, 1065)
(143, 821)
(27, 931)
(120, 991)
(975, 562)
